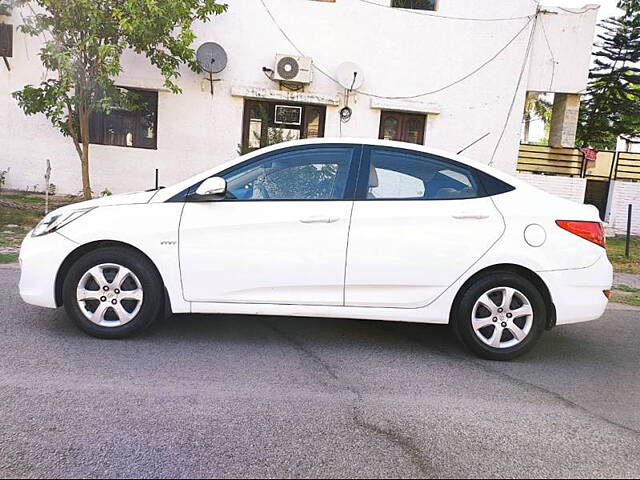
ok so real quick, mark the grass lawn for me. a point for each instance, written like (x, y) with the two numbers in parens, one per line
(8, 258)
(19, 213)
(615, 249)
(627, 295)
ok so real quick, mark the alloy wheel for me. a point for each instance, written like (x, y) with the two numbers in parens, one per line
(109, 295)
(502, 317)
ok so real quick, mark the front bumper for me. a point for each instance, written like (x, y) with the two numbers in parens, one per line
(578, 295)
(40, 261)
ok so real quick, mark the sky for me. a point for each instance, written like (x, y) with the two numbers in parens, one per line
(607, 7)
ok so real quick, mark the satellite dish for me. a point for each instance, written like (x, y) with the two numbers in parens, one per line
(350, 76)
(212, 57)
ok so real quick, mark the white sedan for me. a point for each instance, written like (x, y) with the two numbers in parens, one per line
(329, 228)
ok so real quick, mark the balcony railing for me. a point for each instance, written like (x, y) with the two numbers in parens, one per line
(570, 162)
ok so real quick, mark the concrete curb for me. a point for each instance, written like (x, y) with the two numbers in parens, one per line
(10, 266)
(622, 307)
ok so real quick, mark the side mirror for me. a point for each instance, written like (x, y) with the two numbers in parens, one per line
(211, 190)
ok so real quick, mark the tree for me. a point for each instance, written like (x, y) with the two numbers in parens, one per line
(536, 108)
(612, 104)
(5, 7)
(85, 40)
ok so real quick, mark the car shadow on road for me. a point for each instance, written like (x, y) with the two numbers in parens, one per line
(563, 345)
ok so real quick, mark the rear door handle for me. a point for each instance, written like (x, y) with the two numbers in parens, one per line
(319, 219)
(470, 216)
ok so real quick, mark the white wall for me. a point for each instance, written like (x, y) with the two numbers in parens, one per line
(401, 53)
(621, 194)
(572, 58)
(632, 145)
(571, 188)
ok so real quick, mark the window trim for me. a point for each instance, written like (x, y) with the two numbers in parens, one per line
(349, 194)
(365, 166)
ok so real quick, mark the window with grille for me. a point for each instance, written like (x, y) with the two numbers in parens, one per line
(268, 122)
(134, 128)
(415, 4)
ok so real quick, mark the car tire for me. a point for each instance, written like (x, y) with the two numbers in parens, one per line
(493, 328)
(113, 293)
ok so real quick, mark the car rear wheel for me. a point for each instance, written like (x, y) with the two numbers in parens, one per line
(501, 316)
(113, 293)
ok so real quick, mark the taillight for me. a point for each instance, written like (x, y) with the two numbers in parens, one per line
(591, 231)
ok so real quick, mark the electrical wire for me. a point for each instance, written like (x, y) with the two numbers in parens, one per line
(445, 17)
(533, 19)
(404, 97)
(460, 80)
(517, 90)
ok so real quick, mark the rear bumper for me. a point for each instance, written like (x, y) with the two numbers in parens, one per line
(578, 295)
(40, 260)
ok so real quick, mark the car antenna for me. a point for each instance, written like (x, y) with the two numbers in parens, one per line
(472, 144)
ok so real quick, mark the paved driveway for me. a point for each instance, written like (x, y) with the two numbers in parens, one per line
(245, 396)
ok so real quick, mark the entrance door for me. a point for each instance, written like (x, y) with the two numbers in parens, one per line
(597, 194)
(402, 127)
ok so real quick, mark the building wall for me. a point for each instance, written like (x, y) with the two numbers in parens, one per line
(628, 145)
(401, 53)
(571, 188)
(621, 195)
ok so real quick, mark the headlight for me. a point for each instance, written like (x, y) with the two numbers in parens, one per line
(56, 220)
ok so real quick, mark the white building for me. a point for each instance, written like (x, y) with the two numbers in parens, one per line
(478, 58)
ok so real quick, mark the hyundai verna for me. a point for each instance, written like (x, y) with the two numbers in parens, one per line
(329, 228)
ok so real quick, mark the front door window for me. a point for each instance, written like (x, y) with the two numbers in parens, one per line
(309, 174)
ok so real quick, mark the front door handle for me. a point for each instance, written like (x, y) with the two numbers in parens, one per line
(470, 216)
(319, 219)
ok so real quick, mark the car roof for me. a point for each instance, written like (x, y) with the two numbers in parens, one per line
(173, 190)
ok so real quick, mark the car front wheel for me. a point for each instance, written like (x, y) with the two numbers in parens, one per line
(501, 316)
(113, 293)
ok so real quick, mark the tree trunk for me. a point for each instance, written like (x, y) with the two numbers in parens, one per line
(84, 136)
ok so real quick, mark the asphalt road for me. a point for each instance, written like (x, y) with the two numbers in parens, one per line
(243, 396)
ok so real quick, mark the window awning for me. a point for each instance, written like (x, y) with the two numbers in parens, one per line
(257, 93)
(406, 106)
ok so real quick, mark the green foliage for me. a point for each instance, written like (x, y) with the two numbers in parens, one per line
(536, 108)
(612, 103)
(269, 135)
(85, 40)
(5, 7)
(616, 250)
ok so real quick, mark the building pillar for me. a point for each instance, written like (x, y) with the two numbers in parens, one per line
(564, 120)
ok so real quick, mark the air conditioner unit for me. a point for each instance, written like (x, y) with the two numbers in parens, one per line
(290, 68)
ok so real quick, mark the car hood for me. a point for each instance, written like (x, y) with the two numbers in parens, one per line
(112, 200)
